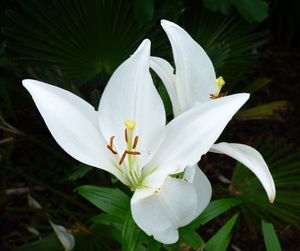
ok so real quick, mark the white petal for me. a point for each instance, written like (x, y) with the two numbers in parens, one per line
(166, 72)
(72, 122)
(201, 185)
(131, 95)
(176, 204)
(65, 238)
(252, 159)
(191, 134)
(195, 74)
(32, 202)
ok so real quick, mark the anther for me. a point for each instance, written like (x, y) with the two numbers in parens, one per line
(110, 146)
(125, 153)
(220, 81)
(111, 141)
(213, 96)
(126, 135)
(133, 153)
(122, 158)
(135, 142)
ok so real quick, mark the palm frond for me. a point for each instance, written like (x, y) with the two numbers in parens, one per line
(284, 165)
(231, 43)
(75, 40)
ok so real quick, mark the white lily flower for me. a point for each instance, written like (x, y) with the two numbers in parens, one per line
(129, 138)
(195, 84)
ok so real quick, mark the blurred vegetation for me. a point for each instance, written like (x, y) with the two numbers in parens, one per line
(77, 44)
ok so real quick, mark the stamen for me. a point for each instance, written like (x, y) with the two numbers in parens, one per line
(111, 141)
(213, 96)
(110, 146)
(122, 158)
(112, 150)
(126, 135)
(219, 83)
(125, 153)
(135, 142)
(133, 153)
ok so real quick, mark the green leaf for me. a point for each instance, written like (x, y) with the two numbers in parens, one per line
(109, 220)
(111, 200)
(97, 237)
(144, 10)
(263, 111)
(130, 234)
(74, 40)
(191, 238)
(50, 243)
(223, 5)
(220, 240)
(270, 237)
(257, 85)
(252, 11)
(80, 171)
(228, 40)
(213, 210)
(150, 242)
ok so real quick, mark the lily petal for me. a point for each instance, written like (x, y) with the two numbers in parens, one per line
(131, 95)
(195, 74)
(191, 134)
(176, 204)
(166, 73)
(72, 122)
(65, 238)
(252, 159)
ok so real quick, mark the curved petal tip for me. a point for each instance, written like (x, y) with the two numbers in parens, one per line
(144, 47)
(165, 23)
(28, 82)
(272, 197)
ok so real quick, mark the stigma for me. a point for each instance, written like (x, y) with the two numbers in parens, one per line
(130, 124)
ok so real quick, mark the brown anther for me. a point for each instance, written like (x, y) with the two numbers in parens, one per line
(110, 146)
(111, 141)
(133, 152)
(125, 153)
(213, 96)
(135, 142)
(112, 150)
(126, 137)
(122, 158)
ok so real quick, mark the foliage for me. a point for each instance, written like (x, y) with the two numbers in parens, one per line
(221, 239)
(231, 43)
(270, 237)
(252, 11)
(73, 41)
(284, 166)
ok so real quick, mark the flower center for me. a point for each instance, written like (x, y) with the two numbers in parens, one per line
(219, 83)
(131, 170)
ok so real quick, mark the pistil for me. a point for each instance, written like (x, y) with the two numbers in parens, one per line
(131, 169)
